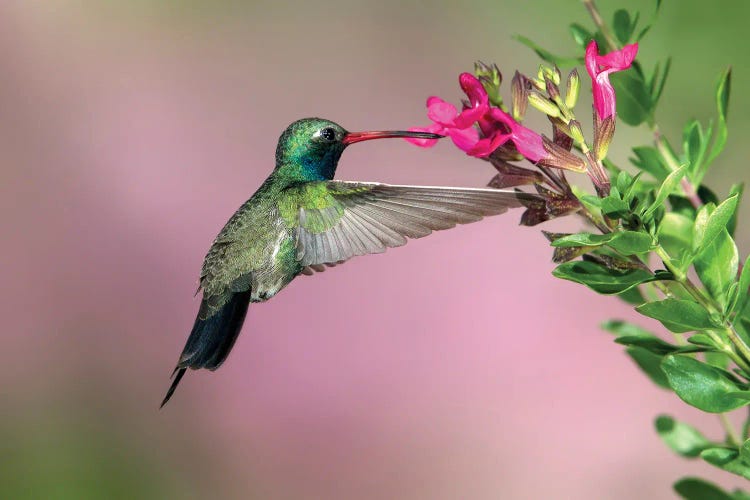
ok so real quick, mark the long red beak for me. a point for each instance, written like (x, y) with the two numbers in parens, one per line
(353, 137)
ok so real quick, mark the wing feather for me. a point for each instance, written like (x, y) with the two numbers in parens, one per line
(338, 220)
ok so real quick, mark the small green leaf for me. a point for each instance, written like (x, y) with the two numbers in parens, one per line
(600, 278)
(582, 239)
(745, 451)
(622, 26)
(676, 237)
(650, 364)
(563, 62)
(701, 385)
(683, 439)
(631, 242)
(625, 242)
(649, 160)
(659, 82)
(634, 105)
(581, 35)
(652, 344)
(677, 315)
(736, 189)
(717, 265)
(708, 227)
(619, 327)
(722, 108)
(693, 488)
(666, 188)
(744, 285)
(694, 144)
(726, 459)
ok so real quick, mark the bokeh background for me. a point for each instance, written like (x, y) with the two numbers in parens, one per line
(455, 367)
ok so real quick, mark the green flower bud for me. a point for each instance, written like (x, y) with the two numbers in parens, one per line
(544, 105)
(572, 87)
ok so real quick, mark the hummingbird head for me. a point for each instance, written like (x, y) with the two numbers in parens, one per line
(309, 149)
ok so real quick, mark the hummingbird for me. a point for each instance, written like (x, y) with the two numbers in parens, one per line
(300, 221)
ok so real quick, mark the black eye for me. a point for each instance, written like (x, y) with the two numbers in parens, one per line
(328, 134)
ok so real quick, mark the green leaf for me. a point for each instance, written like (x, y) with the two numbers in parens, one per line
(675, 235)
(622, 26)
(625, 242)
(653, 344)
(650, 364)
(701, 385)
(600, 278)
(659, 82)
(717, 265)
(722, 107)
(683, 439)
(745, 451)
(693, 488)
(563, 62)
(678, 316)
(614, 207)
(736, 189)
(727, 459)
(694, 145)
(666, 188)
(633, 296)
(581, 35)
(743, 287)
(623, 328)
(708, 227)
(631, 242)
(649, 160)
(634, 105)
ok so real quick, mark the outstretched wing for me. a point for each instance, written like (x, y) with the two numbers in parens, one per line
(337, 220)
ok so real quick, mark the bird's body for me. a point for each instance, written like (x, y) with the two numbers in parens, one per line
(300, 220)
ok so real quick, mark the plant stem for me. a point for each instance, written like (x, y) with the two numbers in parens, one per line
(599, 22)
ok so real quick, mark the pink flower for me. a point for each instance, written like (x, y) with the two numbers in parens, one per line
(599, 68)
(497, 126)
(527, 142)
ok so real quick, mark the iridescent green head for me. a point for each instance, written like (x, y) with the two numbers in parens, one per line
(309, 149)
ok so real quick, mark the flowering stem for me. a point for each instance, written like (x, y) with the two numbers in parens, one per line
(599, 22)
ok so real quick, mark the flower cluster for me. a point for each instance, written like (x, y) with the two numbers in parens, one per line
(484, 127)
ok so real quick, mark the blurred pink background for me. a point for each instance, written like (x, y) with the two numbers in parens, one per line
(455, 367)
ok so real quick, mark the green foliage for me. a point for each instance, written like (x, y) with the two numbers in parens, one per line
(706, 387)
(693, 488)
(682, 438)
(663, 241)
(600, 278)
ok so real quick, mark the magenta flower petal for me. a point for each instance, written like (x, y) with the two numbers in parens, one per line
(619, 59)
(527, 142)
(599, 69)
(440, 111)
(477, 98)
(485, 147)
(464, 139)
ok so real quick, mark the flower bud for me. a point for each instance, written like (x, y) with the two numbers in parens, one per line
(575, 131)
(559, 157)
(491, 78)
(604, 130)
(544, 105)
(572, 87)
(519, 96)
(552, 90)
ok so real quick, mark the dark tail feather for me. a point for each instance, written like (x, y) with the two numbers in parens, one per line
(212, 339)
